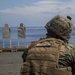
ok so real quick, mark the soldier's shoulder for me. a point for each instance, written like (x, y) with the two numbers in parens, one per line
(44, 42)
(39, 42)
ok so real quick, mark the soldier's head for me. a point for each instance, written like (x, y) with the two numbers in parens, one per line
(60, 27)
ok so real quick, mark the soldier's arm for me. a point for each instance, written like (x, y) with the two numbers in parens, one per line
(24, 55)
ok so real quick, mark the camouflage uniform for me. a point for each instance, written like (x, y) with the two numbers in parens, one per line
(51, 56)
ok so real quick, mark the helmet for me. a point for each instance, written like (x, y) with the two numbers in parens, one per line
(61, 26)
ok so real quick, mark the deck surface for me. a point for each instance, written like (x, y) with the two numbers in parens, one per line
(10, 63)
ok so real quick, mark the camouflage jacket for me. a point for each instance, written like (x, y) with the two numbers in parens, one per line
(66, 56)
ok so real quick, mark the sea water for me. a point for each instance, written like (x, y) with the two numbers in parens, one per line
(32, 34)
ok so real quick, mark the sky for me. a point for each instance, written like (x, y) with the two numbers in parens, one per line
(34, 12)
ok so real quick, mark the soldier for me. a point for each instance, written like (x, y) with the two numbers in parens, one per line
(52, 55)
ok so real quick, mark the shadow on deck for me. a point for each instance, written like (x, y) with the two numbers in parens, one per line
(12, 49)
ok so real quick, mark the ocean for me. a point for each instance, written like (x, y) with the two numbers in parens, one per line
(32, 34)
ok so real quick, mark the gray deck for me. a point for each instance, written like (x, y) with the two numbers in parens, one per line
(10, 63)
